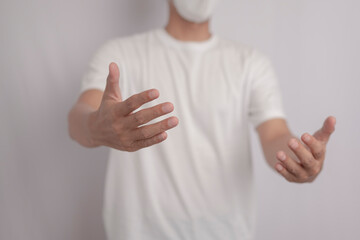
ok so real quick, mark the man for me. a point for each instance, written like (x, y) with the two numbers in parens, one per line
(198, 183)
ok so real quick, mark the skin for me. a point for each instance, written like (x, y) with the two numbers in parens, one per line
(105, 119)
(297, 160)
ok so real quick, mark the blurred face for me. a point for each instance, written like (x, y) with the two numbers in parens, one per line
(197, 11)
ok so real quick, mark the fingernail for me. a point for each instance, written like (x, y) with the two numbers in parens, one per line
(172, 122)
(153, 94)
(163, 136)
(282, 156)
(334, 120)
(279, 167)
(294, 143)
(167, 108)
(306, 137)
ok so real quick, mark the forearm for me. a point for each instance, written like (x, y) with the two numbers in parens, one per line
(272, 146)
(78, 124)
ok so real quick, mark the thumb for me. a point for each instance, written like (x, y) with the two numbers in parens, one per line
(112, 89)
(323, 134)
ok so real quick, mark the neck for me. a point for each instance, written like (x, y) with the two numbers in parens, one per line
(184, 30)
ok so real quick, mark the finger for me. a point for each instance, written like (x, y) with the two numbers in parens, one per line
(112, 89)
(327, 129)
(285, 173)
(305, 156)
(150, 141)
(146, 115)
(290, 164)
(316, 147)
(151, 130)
(135, 101)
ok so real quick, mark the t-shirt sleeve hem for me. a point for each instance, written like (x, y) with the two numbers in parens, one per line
(267, 116)
(91, 86)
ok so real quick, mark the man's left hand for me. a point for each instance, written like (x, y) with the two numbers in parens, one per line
(308, 158)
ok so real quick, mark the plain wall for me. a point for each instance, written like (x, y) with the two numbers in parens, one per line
(51, 188)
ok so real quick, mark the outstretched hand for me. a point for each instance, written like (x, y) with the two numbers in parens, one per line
(116, 125)
(308, 158)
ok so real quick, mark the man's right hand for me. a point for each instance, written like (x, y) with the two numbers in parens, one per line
(115, 125)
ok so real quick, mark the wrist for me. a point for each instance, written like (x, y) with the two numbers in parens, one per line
(92, 129)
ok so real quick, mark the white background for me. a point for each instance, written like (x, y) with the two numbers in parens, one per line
(51, 188)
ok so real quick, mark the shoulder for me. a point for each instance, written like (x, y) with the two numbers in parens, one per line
(126, 50)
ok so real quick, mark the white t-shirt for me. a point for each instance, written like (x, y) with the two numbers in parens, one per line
(197, 184)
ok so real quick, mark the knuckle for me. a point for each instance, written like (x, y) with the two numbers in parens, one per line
(290, 169)
(316, 171)
(130, 103)
(154, 140)
(139, 119)
(145, 97)
(161, 137)
(308, 161)
(151, 114)
(163, 126)
(142, 97)
(286, 160)
(157, 112)
(303, 177)
(312, 172)
(145, 133)
(319, 154)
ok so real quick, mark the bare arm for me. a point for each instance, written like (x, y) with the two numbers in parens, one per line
(104, 119)
(274, 135)
(298, 161)
(79, 116)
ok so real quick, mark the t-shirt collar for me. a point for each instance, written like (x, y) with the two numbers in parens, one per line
(190, 45)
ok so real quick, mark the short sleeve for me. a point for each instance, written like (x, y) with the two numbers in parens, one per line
(98, 67)
(265, 96)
